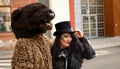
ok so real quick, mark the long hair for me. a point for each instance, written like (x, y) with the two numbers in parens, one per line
(75, 45)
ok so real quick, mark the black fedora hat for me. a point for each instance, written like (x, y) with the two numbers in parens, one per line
(63, 27)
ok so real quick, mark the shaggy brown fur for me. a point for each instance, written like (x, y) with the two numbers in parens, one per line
(32, 50)
(31, 20)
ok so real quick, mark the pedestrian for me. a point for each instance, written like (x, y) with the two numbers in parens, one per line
(70, 47)
(29, 24)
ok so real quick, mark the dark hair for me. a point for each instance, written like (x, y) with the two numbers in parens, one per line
(75, 46)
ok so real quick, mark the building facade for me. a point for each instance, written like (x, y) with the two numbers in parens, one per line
(90, 17)
(95, 18)
(7, 38)
(98, 18)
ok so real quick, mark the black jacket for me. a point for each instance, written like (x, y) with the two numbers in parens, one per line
(74, 57)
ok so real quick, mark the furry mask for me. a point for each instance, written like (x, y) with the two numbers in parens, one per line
(31, 20)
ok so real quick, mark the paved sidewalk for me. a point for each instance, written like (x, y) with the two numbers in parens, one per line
(105, 42)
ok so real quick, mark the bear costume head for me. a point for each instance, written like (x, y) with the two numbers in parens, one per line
(30, 20)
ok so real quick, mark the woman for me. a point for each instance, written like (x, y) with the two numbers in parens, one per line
(68, 51)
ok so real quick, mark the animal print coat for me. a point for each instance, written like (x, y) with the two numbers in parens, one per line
(32, 53)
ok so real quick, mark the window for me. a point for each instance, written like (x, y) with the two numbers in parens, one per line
(5, 16)
(93, 22)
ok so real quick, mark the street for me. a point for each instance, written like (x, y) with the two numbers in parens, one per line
(106, 59)
(5, 59)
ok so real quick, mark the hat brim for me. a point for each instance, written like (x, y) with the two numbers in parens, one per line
(62, 31)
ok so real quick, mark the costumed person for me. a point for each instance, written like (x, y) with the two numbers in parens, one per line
(32, 50)
(70, 47)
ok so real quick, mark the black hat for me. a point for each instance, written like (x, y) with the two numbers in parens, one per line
(63, 27)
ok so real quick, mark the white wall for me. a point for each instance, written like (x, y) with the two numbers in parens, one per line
(78, 13)
(61, 9)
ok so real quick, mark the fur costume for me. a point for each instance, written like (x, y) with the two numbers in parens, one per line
(32, 50)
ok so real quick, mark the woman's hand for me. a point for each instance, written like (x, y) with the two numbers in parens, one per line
(78, 33)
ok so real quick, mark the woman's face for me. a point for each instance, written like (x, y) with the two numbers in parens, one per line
(65, 40)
